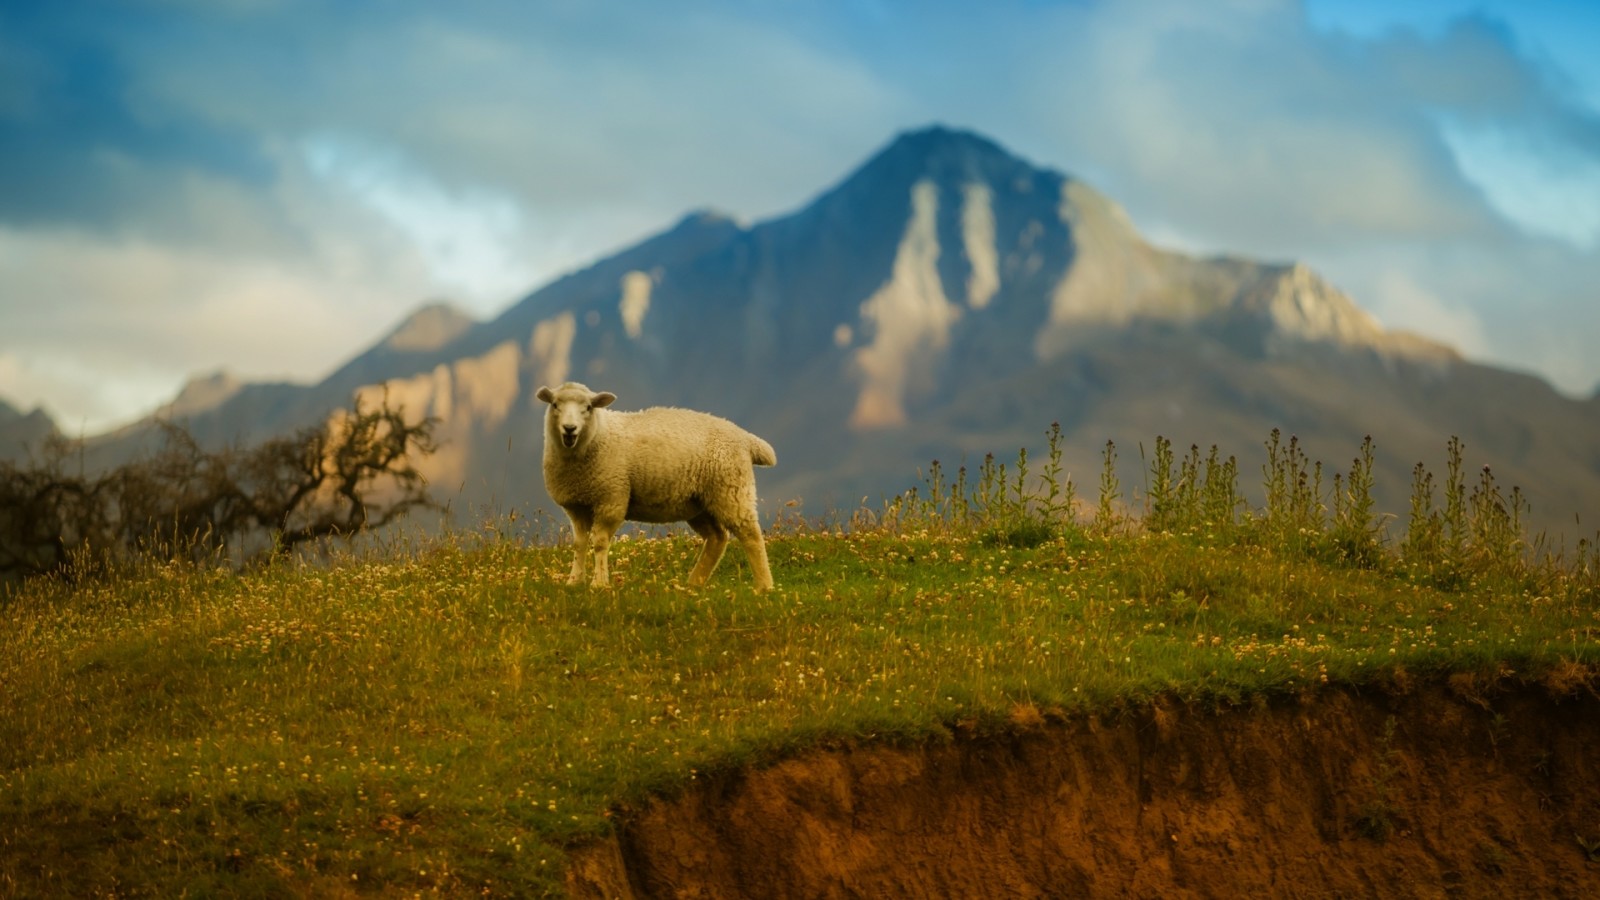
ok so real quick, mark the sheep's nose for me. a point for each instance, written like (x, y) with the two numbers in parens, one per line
(570, 429)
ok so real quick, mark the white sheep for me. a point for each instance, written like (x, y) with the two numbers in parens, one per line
(654, 465)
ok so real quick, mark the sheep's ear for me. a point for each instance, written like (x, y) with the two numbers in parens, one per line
(604, 398)
(546, 394)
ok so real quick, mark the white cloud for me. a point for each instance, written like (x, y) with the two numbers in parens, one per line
(81, 397)
(113, 327)
(472, 240)
(1544, 187)
(1238, 123)
(1400, 302)
(576, 112)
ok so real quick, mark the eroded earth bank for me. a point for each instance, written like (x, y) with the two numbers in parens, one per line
(1449, 789)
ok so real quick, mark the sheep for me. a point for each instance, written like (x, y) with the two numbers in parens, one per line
(661, 464)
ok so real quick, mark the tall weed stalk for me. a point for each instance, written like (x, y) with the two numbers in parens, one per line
(1106, 517)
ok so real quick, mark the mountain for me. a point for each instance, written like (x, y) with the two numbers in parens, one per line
(23, 434)
(944, 300)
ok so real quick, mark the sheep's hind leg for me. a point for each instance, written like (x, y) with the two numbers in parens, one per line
(747, 529)
(716, 537)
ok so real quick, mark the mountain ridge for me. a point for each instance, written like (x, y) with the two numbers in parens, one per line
(871, 329)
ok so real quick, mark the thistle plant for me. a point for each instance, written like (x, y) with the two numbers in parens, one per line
(1023, 505)
(1356, 531)
(1059, 493)
(1004, 507)
(1160, 514)
(1424, 527)
(1495, 522)
(1455, 500)
(1294, 511)
(1220, 498)
(1105, 519)
(1187, 492)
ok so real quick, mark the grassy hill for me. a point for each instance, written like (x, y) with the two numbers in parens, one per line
(448, 716)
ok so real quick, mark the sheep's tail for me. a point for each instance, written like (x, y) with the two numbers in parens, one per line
(761, 452)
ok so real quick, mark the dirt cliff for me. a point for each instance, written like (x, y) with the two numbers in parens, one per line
(1458, 789)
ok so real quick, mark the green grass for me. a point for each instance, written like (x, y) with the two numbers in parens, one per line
(451, 716)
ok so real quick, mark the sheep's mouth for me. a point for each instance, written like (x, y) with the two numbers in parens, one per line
(569, 440)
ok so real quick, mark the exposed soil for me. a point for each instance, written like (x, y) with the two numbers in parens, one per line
(1439, 790)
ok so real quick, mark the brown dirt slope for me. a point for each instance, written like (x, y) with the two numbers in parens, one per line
(1445, 790)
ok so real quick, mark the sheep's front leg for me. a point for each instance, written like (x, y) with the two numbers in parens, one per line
(582, 519)
(605, 525)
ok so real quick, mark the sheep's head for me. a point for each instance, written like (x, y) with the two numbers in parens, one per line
(570, 417)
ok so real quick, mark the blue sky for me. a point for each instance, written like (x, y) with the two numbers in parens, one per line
(267, 186)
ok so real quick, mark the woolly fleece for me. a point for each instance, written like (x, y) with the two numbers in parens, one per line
(661, 464)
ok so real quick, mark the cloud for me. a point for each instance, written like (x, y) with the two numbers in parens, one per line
(83, 148)
(1525, 303)
(114, 326)
(1239, 123)
(1401, 303)
(1546, 188)
(471, 240)
(569, 108)
(92, 401)
(185, 179)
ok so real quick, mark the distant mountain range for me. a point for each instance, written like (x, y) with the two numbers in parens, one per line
(945, 300)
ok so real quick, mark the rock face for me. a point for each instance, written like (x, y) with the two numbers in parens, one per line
(945, 300)
(1345, 793)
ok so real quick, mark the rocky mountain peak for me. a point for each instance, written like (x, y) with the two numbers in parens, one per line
(949, 159)
(1300, 304)
(706, 217)
(948, 154)
(429, 328)
(202, 393)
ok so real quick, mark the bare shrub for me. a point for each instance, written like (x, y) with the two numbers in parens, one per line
(356, 473)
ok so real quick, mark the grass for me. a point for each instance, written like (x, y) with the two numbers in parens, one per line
(449, 716)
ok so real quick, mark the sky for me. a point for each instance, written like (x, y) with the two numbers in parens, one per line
(267, 187)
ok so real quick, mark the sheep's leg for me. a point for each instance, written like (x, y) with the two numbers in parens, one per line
(716, 537)
(605, 525)
(582, 520)
(747, 528)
